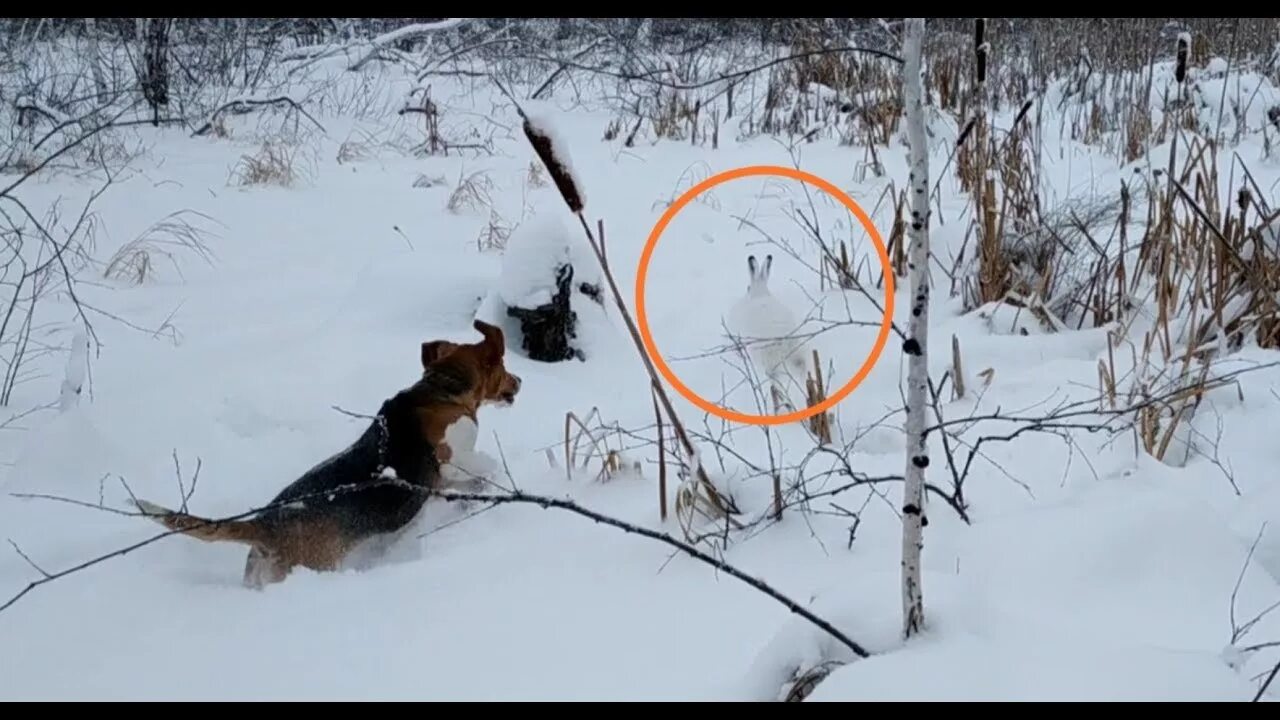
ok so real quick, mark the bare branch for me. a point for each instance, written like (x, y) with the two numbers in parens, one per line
(514, 497)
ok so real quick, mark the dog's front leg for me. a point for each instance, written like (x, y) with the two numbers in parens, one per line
(469, 471)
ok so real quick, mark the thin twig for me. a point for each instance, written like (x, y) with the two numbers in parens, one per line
(570, 506)
(513, 497)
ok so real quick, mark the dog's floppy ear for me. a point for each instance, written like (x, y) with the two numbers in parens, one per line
(436, 350)
(494, 342)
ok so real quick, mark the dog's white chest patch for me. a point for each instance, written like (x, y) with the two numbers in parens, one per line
(466, 467)
(461, 436)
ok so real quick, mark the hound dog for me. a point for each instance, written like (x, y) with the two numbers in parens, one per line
(376, 486)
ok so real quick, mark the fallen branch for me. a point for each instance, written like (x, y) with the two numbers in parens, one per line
(513, 497)
(48, 577)
(730, 78)
(408, 32)
(570, 506)
(243, 105)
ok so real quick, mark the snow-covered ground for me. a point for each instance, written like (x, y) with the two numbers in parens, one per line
(1090, 570)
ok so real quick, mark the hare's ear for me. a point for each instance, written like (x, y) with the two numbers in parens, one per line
(768, 265)
(751, 265)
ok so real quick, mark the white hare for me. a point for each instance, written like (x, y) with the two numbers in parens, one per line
(766, 327)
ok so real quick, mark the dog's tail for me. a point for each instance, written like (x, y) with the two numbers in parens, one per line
(241, 531)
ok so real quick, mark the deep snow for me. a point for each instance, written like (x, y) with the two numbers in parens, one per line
(1088, 573)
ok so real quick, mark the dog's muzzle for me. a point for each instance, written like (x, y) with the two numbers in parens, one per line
(509, 396)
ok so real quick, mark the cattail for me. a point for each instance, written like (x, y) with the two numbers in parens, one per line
(980, 48)
(553, 154)
(1184, 48)
(1026, 107)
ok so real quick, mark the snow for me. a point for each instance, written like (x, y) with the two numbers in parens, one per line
(1090, 571)
(77, 366)
(533, 253)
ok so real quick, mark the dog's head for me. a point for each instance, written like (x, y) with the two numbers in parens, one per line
(483, 361)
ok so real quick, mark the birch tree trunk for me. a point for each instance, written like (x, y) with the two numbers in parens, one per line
(242, 34)
(916, 346)
(95, 59)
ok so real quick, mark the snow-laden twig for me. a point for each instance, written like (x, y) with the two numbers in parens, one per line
(1089, 414)
(1240, 630)
(512, 497)
(31, 104)
(246, 104)
(408, 32)
(570, 506)
(728, 78)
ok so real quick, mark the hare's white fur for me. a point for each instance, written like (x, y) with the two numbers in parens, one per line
(765, 325)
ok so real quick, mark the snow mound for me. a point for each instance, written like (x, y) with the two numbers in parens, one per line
(535, 251)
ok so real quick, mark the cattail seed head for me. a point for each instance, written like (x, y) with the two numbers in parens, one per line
(1184, 48)
(560, 174)
(980, 47)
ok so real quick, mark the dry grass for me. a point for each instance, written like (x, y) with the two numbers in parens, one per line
(429, 181)
(613, 460)
(275, 163)
(353, 151)
(113, 149)
(495, 233)
(802, 683)
(816, 392)
(535, 176)
(218, 128)
(135, 262)
(474, 192)
(1207, 273)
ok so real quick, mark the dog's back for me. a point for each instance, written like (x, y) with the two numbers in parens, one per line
(377, 485)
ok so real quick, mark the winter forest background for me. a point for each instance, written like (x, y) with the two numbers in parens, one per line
(225, 239)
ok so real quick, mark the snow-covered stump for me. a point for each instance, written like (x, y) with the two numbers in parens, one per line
(546, 272)
(548, 330)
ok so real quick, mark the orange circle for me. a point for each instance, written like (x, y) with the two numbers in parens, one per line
(642, 318)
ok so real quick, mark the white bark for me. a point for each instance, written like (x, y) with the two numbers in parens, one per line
(916, 347)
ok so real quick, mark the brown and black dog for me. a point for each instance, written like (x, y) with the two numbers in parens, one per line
(353, 496)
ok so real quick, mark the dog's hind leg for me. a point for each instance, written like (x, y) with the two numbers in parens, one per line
(261, 568)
